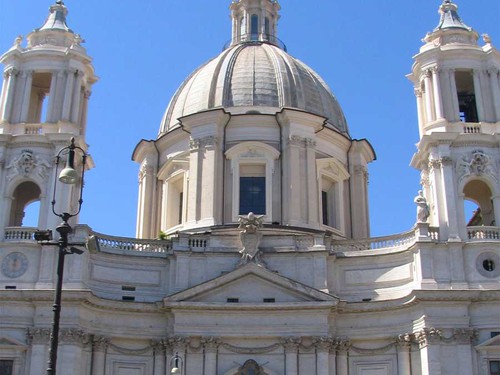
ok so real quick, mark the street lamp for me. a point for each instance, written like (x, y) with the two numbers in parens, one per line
(176, 364)
(69, 175)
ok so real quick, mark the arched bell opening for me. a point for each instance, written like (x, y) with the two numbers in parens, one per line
(478, 204)
(25, 208)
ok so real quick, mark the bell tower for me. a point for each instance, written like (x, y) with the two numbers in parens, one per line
(43, 103)
(457, 88)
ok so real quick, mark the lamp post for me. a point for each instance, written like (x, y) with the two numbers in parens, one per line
(68, 175)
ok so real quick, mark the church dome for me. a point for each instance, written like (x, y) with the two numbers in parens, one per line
(254, 75)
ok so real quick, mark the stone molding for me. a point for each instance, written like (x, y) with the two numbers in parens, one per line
(37, 336)
(296, 140)
(74, 336)
(100, 343)
(196, 144)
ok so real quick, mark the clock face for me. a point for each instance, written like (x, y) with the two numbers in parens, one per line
(14, 265)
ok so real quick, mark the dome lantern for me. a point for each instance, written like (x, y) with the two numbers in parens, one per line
(254, 21)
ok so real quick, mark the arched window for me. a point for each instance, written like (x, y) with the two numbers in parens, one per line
(478, 204)
(254, 27)
(24, 195)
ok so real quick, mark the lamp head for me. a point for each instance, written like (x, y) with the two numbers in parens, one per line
(175, 370)
(68, 176)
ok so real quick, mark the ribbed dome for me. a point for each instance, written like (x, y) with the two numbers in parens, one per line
(254, 75)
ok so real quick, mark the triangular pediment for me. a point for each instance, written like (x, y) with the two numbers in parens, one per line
(251, 284)
(492, 343)
(6, 341)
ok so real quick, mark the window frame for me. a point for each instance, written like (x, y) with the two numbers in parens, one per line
(334, 172)
(252, 153)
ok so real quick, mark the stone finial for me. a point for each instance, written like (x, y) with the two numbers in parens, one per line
(486, 38)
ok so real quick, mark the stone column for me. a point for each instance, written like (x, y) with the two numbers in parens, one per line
(343, 356)
(464, 338)
(429, 110)
(211, 344)
(323, 345)
(159, 351)
(68, 95)
(403, 345)
(76, 97)
(99, 346)
(211, 183)
(294, 179)
(421, 125)
(454, 96)
(449, 188)
(193, 209)
(429, 340)
(84, 111)
(71, 344)
(291, 346)
(146, 198)
(332, 362)
(311, 183)
(479, 94)
(495, 92)
(38, 338)
(10, 79)
(496, 208)
(438, 100)
(52, 98)
(25, 105)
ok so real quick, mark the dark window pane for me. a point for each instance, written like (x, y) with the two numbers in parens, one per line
(6, 367)
(324, 207)
(252, 195)
(494, 367)
(254, 27)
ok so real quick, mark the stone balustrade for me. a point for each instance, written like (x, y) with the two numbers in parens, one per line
(376, 243)
(482, 233)
(19, 234)
(130, 246)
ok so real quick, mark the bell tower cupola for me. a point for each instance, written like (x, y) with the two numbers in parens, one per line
(255, 21)
(47, 81)
(457, 87)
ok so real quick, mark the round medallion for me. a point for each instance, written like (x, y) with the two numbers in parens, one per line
(14, 265)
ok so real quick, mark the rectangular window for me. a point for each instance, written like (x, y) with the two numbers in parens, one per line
(252, 195)
(494, 367)
(329, 202)
(6, 367)
(252, 189)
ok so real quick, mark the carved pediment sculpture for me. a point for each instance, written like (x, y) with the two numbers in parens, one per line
(250, 238)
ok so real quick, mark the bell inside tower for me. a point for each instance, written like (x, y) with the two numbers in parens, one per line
(466, 96)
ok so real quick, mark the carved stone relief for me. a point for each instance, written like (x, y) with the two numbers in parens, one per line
(477, 163)
(28, 164)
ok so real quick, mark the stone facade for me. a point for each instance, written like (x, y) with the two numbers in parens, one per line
(297, 289)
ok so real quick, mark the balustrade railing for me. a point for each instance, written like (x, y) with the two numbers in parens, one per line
(483, 233)
(376, 243)
(107, 243)
(16, 234)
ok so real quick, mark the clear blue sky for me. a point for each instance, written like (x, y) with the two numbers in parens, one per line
(143, 50)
